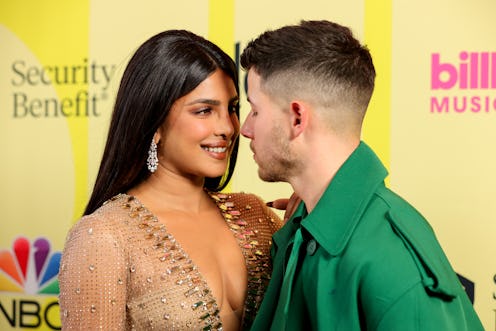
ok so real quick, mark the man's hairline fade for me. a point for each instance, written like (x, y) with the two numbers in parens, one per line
(324, 98)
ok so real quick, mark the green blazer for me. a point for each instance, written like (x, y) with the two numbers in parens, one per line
(369, 261)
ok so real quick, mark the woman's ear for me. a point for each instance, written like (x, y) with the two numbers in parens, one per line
(157, 136)
(299, 116)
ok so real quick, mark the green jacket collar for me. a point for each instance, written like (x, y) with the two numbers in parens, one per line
(337, 213)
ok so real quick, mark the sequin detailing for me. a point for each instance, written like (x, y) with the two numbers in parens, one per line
(257, 257)
(121, 269)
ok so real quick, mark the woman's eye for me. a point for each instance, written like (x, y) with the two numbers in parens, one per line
(233, 108)
(203, 111)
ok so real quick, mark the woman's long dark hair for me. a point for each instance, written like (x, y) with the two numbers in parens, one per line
(166, 67)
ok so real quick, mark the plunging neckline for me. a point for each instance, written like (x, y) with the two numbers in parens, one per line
(223, 210)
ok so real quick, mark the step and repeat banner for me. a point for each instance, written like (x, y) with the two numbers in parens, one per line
(432, 120)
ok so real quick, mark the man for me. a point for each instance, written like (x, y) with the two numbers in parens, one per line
(354, 256)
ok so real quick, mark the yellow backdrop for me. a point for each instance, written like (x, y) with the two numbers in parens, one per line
(431, 119)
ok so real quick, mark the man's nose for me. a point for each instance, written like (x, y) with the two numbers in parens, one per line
(247, 128)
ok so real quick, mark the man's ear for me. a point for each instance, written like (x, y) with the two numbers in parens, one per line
(299, 116)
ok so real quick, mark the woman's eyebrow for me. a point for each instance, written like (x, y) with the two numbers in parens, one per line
(207, 101)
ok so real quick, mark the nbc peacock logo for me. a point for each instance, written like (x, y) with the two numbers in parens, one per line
(29, 285)
(30, 267)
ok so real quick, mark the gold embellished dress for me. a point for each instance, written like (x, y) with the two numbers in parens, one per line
(122, 270)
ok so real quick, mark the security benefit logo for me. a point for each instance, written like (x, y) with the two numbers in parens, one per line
(59, 90)
(29, 286)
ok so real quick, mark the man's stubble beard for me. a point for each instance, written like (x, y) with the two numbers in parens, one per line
(282, 164)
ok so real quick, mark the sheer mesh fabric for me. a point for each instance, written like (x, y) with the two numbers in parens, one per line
(122, 270)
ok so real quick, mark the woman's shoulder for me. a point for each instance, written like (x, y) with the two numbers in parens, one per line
(108, 219)
(251, 209)
(246, 198)
(244, 202)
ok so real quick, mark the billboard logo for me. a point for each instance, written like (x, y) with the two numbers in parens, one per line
(466, 86)
(476, 70)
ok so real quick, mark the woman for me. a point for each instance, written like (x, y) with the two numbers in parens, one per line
(159, 247)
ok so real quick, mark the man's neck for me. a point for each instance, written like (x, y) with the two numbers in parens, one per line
(319, 171)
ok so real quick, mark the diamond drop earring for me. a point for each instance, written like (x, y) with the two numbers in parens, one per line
(152, 160)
